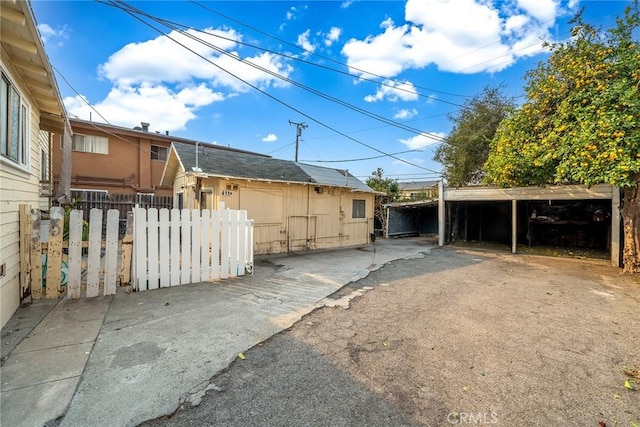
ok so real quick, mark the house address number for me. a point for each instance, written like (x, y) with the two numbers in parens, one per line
(227, 193)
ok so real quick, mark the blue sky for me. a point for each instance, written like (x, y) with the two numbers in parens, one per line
(369, 78)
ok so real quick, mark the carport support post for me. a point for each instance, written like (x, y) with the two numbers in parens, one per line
(615, 227)
(441, 219)
(514, 225)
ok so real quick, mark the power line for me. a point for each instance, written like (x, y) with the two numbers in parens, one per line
(133, 12)
(358, 160)
(317, 54)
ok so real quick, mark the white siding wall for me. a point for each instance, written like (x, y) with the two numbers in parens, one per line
(17, 186)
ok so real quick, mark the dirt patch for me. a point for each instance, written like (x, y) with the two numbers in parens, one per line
(514, 340)
(458, 337)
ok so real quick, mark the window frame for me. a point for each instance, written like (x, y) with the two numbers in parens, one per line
(18, 155)
(92, 140)
(358, 205)
(166, 152)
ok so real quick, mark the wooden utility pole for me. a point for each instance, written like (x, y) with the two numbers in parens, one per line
(299, 128)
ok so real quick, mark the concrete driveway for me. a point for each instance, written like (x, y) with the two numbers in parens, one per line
(121, 360)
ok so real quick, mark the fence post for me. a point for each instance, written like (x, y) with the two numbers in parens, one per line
(25, 253)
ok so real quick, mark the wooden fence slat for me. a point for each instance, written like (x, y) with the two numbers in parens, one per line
(152, 234)
(215, 245)
(196, 250)
(54, 252)
(95, 252)
(224, 243)
(250, 245)
(175, 247)
(233, 243)
(127, 248)
(36, 255)
(206, 246)
(26, 231)
(75, 254)
(140, 248)
(111, 252)
(185, 247)
(242, 242)
(164, 248)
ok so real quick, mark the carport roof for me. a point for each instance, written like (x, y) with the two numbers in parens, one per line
(418, 204)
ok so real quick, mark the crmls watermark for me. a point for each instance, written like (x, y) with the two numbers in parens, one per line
(472, 418)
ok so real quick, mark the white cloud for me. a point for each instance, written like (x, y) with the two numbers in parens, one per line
(146, 62)
(406, 113)
(293, 12)
(270, 138)
(303, 42)
(332, 36)
(423, 140)
(346, 4)
(515, 24)
(394, 91)
(157, 105)
(542, 10)
(461, 36)
(52, 35)
(163, 80)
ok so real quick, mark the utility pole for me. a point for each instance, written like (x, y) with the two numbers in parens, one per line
(299, 128)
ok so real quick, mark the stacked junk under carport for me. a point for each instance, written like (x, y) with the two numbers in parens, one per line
(565, 218)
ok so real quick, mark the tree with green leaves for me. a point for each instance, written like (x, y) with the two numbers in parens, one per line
(580, 123)
(465, 150)
(378, 182)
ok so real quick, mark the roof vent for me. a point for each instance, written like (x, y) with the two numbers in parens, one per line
(145, 126)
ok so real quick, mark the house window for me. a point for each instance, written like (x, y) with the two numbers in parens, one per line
(14, 123)
(358, 209)
(90, 144)
(159, 153)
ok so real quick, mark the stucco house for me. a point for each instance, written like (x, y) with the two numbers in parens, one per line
(294, 206)
(31, 110)
(115, 159)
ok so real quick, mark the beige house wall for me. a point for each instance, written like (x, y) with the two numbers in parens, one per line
(18, 185)
(287, 217)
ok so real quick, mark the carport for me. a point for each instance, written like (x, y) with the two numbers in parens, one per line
(412, 218)
(592, 215)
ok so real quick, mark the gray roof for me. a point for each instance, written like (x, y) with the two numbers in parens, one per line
(216, 162)
(417, 185)
(333, 177)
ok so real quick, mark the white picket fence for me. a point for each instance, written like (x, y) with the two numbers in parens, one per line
(176, 247)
